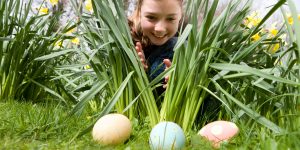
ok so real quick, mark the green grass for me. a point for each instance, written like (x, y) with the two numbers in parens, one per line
(48, 126)
(40, 126)
(268, 117)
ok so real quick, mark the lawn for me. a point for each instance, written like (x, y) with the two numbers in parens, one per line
(25, 125)
(57, 81)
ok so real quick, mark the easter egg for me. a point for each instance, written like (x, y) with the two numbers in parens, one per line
(166, 135)
(219, 131)
(112, 129)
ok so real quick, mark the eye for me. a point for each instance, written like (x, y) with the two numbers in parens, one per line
(171, 19)
(151, 18)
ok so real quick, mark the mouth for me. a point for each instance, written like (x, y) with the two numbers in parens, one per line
(159, 36)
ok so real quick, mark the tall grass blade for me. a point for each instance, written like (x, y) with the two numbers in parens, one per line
(86, 96)
(109, 106)
(251, 113)
(246, 69)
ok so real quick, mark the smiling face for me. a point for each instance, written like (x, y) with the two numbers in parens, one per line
(160, 19)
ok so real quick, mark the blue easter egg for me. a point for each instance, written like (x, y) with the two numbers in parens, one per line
(166, 135)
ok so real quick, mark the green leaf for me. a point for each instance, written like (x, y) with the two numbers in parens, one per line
(87, 96)
(183, 36)
(55, 54)
(109, 106)
(251, 113)
(253, 71)
(49, 90)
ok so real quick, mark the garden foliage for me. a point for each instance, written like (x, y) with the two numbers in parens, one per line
(248, 70)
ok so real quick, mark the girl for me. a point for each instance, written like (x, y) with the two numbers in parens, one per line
(154, 24)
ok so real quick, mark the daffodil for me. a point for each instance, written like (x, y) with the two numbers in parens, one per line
(75, 41)
(86, 67)
(252, 20)
(89, 6)
(256, 21)
(256, 37)
(58, 44)
(273, 31)
(43, 11)
(274, 48)
(71, 31)
(53, 2)
(291, 20)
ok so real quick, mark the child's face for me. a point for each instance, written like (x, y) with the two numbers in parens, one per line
(160, 19)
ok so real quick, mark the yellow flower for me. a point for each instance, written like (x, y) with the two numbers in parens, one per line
(43, 11)
(290, 19)
(247, 22)
(71, 31)
(274, 48)
(53, 2)
(75, 41)
(256, 37)
(86, 67)
(89, 6)
(273, 31)
(256, 21)
(58, 43)
(252, 20)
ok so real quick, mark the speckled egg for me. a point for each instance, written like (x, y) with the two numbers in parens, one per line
(219, 131)
(166, 136)
(112, 129)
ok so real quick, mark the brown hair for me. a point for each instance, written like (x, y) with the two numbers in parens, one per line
(134, 22)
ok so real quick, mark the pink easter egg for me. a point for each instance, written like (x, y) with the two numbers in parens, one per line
(219, 131)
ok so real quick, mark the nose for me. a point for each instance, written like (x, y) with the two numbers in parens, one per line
(160, 27)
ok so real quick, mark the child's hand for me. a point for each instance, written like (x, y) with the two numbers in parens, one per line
(168, 64)
(140, 52)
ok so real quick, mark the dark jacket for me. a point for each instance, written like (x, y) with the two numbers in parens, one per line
(156, 54)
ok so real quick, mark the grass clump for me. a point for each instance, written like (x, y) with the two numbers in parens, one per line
(42, 126)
